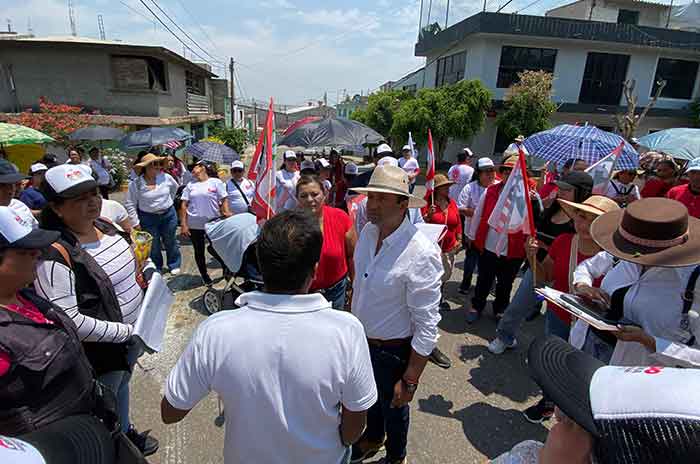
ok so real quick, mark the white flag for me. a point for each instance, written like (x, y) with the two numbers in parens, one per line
(513, 211)
(601, 172)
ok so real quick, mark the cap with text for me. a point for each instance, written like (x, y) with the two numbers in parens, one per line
(307, 164)
(67, 181)
(237, 165)
(290, 155)
(485, 163)
(37, 168)
(383, 148)
(14, 233)
(406, 148)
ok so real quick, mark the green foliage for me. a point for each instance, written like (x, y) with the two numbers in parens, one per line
(528, 105)
(380, 111)
(234, 138)
(457, 110)
(695, 112)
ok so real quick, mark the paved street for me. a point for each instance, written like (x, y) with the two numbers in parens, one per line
(466, 414)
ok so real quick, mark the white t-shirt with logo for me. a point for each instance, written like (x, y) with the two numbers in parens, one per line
(24, 213)
(461, 175)
(203, 201)
(409, 165)
(235, 200)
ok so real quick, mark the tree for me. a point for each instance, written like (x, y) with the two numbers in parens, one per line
(380, 111)
(453, 111)
(55, 120)
(628, 123)
(234, 138)
(528, 105)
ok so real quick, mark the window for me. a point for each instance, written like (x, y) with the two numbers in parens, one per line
(410, 88)
(518, 59)
(679, 76)
(138, 73)
(195, 83)
(603, 78)
(450, 69)
(628, 17)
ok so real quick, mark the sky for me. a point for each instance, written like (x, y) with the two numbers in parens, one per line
(292, 50)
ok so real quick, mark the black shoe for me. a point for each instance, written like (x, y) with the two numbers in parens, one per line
(445, 306)
(364, 449)
(143, 441)
(540, 412)
(439, 358)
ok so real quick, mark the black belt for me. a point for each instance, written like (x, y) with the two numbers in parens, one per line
(391, 343)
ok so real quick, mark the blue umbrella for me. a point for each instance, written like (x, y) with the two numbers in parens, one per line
(680, 142)
(153, 137)
(585, 142)
(214, 152)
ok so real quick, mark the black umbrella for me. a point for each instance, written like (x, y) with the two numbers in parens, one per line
(332, 132)
(153, 137)
(97, 133)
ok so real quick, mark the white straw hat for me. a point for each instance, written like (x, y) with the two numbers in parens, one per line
(391, 179)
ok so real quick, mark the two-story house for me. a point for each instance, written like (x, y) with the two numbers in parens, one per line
(589, 59)
(345, 108)
(132, 85)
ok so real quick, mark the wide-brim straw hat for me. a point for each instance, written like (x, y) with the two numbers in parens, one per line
(441, 179)
(391, 179)
(651, 232)
(146, 160)
(596, 204)
(510, 161)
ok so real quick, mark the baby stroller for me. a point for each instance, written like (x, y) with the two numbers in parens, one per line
(234, 240)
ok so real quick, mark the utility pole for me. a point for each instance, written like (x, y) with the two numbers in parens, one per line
(668, 18)
(71, 18)
(484, 6)
(420, 18)
(101, 27)
(430, 7)
(232, 72)
(447, 13)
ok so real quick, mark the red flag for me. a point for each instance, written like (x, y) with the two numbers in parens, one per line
(430, 173)
(264, 169)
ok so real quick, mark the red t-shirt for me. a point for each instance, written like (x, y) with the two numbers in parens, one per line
(683, 194)
(656, 188)
(333, 264)
(559, 252)
(28, 310)
(454, 224)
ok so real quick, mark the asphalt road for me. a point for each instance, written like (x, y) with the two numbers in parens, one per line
(466, 414)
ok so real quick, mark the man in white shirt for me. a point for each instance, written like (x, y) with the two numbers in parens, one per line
(409, 164)
(9, 177)
(461, 173)
(514, 148)
(100, 167)
(396, 296)
(240, 190)
(302, 395)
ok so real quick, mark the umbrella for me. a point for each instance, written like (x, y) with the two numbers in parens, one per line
(585, 142)
(680, 142)
(301, 122)
(332, 132)
(14, 134)
(152, 137)
(214, 152)
(97, 133)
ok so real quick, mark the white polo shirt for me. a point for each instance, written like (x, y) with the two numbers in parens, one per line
(409, 165)
(283, 365)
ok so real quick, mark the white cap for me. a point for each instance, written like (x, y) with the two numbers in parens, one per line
(38, 167)
(468, 152)
(388, 161)
(290, 155)
(384, 148)
(485, 163)
(406, 148)
(17, 451)
(307, 164)
(351, 169)
(69, 180)
(693, 165)
(324, 163)
(238, 164)
(17, 233)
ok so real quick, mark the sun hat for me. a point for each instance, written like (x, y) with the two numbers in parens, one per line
(67, 181)
(238, 164)
(441, 179)
(14, 233)
(9, 173)
(575, 180)
(290, 155)
(520, 138)
(146, 160)
(509, 162)
(485, 163)
(37, 168)
(391, 179)
(324, 163)
(693, 165)
(639, 415)
(595, 204)
(383, 148)
(651, 232)
(351, 169)
(388, 161)
(307, 164)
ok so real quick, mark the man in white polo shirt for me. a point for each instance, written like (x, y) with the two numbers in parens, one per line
(301, 394)
(396, 296)
(409, 164)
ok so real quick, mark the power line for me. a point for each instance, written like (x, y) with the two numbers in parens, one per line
(204, 32)
(140, 13)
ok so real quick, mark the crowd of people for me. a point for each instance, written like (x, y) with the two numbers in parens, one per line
(327, 356)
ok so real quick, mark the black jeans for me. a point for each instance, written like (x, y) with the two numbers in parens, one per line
(504, 271)
(389, 365)
(199, 243)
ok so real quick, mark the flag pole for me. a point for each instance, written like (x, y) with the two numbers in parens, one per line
(270, 137)
(530, 216)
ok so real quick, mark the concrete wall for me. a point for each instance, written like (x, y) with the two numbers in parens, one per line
(578, 10)
(607, 11)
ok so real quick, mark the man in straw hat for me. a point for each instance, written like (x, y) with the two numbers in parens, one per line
(396, 296)
(650, 264)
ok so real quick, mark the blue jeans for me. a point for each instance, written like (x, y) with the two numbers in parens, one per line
(389, 365)
(336, 294)
(523, 303)
(118, 382)
(555, 326)
(162, 227)
(471, 258)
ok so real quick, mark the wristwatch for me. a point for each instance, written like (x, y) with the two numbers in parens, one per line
(410, 386)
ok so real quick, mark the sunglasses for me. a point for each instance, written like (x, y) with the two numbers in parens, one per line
(505, 169)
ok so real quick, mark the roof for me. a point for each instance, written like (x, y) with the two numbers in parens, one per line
(142, 120)
(559, 28)
(112, 45)
(631, 2)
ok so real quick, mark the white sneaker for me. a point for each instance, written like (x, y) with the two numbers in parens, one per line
(175, 271)
(498, 346)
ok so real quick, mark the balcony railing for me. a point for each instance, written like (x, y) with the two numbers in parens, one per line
(197, 104)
